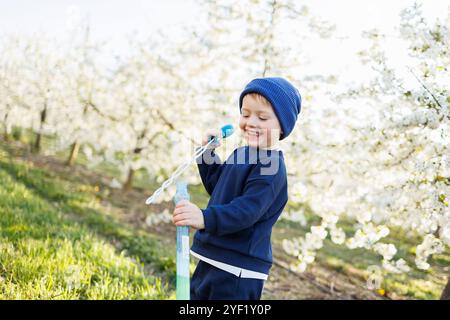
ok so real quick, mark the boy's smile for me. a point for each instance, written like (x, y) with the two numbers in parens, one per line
(259, 122)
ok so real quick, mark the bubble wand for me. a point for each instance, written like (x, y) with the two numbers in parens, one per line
(182, 281)
(226, 130)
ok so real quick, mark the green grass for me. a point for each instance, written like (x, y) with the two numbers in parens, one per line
(57, 243)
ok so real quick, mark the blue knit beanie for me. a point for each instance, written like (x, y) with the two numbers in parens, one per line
(284, 97)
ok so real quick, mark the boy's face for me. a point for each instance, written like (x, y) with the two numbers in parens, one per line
(259, 123)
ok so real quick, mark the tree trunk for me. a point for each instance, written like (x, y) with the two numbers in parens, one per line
(5, 135)
(73, 153)
(37, 143)
(5, 132)
(446, 293)
(129, 183)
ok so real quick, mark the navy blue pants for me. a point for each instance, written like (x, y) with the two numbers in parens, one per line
(211, 283)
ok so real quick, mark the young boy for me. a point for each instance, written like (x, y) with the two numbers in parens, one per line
(248, 193)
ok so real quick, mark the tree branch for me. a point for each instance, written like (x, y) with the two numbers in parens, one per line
(425, 87)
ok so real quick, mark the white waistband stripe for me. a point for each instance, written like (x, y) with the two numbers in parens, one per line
(243, 273)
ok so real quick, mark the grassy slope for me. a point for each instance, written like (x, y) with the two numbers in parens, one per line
(57, 243)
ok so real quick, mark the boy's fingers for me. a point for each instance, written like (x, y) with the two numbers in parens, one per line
(184, 222)
(180, 217)
(179, 210)
(176, 219)
(176, 215)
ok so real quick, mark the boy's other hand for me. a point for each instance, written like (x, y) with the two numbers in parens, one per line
(208, 134)
(188, 214)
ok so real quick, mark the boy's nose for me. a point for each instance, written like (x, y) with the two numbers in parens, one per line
(252, 122)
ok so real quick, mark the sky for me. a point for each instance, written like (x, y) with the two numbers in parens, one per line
(118, 17)
(113, 20)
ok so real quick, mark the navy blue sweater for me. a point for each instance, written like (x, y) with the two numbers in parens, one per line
(248, 193)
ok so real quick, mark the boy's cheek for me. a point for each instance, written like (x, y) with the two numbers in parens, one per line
(241, 124)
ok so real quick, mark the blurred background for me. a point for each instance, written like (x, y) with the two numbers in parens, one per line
(100, 101)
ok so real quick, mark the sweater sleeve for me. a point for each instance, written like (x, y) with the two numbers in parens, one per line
(210, 168)
(242, 212)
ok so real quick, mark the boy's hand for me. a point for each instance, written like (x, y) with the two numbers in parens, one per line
(188, 214)
(208, 134)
